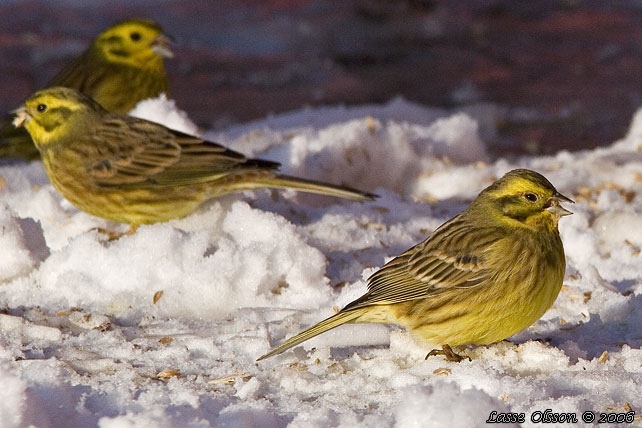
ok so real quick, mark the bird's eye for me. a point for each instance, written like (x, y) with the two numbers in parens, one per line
(135, 36)
(41, 107)
(531, 197)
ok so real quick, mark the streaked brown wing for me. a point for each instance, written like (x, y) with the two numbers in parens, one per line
(436, 265)
(74, 74)
(134, 152)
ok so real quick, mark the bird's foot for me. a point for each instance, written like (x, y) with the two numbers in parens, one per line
(448, 352)
(112, 235)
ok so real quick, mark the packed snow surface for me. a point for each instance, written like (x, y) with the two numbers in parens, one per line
(162, 328)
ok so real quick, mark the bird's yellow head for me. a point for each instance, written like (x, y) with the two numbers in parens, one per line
(52, 114)
(137, 42)
(524, 198)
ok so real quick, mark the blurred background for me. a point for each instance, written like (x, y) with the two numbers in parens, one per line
(561, 74)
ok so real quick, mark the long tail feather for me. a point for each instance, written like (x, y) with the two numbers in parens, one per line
(285, 181)
(323, 326)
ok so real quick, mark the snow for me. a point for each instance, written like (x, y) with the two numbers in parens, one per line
(163, 327)
(164, 110)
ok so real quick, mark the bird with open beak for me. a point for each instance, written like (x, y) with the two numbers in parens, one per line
(122, 66)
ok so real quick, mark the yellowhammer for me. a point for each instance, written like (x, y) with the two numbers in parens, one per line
(121, 67)
(484, 275)
(134, 171)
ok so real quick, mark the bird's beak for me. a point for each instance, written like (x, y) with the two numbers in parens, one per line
(160, 46)
(553, 204)
(21, 116)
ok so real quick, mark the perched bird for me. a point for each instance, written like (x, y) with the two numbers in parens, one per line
(134, 171)
(484, 275)
(121, 67)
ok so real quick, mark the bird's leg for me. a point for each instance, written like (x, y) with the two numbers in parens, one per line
(113, 235)
(447, 352)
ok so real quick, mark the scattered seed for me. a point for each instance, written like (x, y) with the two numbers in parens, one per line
(157, 296)
(229, 379)
(371, 125)
(636, 248)
(168, 374)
